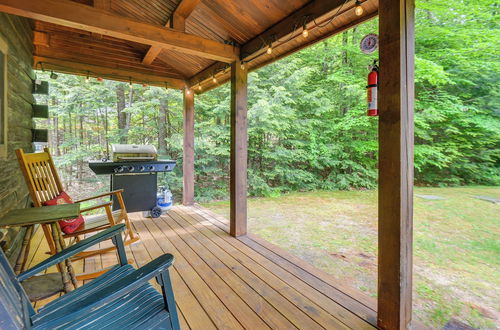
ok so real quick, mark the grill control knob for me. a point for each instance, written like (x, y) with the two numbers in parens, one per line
(130, 168)
(142, 168)
(119, 169)
(151, 168)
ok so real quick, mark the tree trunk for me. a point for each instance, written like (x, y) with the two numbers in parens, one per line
(122, 115)
(162, 129)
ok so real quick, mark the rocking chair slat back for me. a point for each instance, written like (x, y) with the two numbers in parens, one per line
(41, 175)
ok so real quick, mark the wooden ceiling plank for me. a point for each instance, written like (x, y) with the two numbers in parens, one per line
(102, 4)
(83, 69)
(314, 10)
(205, 76)
(178, 22)
(70, 14)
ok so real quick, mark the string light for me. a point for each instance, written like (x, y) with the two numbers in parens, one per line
(130, 82)
(305, 32)
(87, 79)
(214, 79)
(188, 91)
(242, 65)
(358, 9)
(269, 50)
(199, 87)
(99, 79)
(53, 75)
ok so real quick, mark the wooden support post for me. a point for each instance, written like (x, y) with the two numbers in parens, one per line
(396, 98)
(188, 155)
(238, 184)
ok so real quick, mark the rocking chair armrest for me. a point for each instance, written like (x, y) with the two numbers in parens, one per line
(96, 206)
(114, 192)
(72, 250)
(110, 293)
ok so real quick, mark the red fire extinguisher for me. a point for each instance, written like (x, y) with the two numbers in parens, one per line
(372, 90)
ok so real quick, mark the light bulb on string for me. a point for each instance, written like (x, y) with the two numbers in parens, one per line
(87, 79)
(305, 32)
(269, 50)
(130, 82)
(242, 65)
(199, 87)
(214, 80)
(188, 91)
(358, 9)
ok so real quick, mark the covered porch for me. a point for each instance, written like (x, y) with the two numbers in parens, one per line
(223, 276)
(225, 282)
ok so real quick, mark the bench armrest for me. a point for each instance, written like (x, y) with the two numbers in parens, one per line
(114, 231)
(108, 294)
(114, 192)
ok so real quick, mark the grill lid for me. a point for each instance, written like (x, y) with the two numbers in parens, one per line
(133, 152)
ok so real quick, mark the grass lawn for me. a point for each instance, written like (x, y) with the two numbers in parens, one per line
(456, 245)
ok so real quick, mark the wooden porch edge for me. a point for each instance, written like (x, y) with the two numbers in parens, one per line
(353, 300)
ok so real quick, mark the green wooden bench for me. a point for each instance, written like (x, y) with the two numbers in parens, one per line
(121, 298)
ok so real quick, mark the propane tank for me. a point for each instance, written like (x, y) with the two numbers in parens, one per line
(164, 199)
(372, 91)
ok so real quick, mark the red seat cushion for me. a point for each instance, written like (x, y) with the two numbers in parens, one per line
(70, 225)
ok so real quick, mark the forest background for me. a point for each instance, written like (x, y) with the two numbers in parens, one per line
(307, 124)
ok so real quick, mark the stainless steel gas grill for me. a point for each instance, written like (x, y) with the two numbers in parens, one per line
(134, 168)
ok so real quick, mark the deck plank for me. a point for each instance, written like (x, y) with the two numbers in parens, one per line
(322, 301)
(215, 308)
(345, 290)
(249, 298)
(224, 282)
(279, 281)
(362, 306)
(195, 314)
(231, 300)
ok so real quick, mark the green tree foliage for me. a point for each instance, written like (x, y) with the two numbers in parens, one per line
(308, 127)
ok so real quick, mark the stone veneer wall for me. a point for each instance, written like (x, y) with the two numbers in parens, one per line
(17, 32)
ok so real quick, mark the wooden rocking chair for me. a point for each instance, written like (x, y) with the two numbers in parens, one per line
(44, 184)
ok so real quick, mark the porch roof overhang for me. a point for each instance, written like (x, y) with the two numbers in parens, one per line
(177, 43)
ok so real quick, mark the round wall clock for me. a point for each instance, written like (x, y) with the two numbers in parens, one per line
(369, 43)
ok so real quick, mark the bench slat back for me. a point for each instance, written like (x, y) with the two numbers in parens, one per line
(15, 307)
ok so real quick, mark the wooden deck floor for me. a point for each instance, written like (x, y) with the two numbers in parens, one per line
(231, 283)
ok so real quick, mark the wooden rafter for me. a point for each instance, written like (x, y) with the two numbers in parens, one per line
(284, 30)
(78, 16)
(177, 21)
(47, 63)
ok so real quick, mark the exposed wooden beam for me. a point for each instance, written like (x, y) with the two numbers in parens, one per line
(186, 7)
(103, 5)
(83, 69)
(188, 150)
(316, 10)
(177, 21)
(41, 39)
(78, 16)
(395, 190)
(239, 151)
(205, 76)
